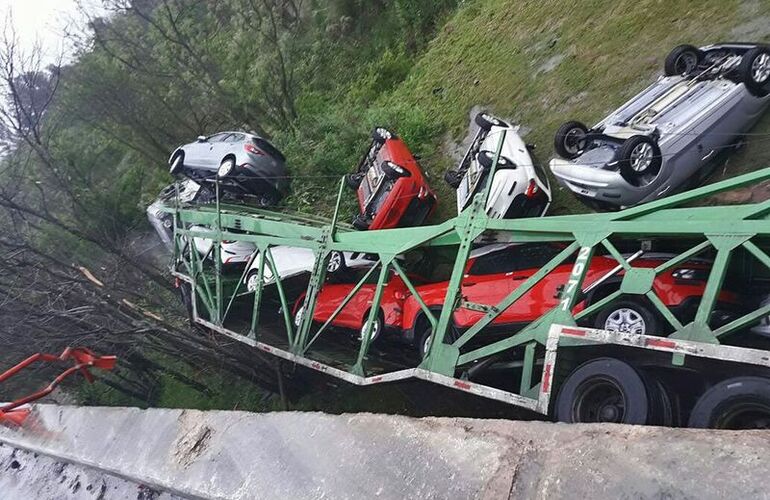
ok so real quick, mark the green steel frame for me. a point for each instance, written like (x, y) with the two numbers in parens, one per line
(722, 230)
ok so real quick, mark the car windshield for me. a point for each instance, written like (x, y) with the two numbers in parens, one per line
(514, 258)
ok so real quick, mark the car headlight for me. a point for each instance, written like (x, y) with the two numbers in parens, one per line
(690, 274)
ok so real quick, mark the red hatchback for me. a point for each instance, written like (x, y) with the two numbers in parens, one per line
(491, 276)
(355, 313)
(391, 188)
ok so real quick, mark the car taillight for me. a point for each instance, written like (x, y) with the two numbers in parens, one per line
(252, 149)
(532, 189)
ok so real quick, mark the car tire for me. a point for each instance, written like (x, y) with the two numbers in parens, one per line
(393, 171)
(377, 327)
(570, 139)
(185, 292)
(754, 71)
(735, 403)
(639, 156)
(336, 264)
(225, 168)
(485, 121)
(487, 158)
(628, 316)
(360, 223)
(381, 134)
(453, 178)
(267, 200)
(604, 390)
(250, 281)
(682, 60)
(176, 164)
(353, 181)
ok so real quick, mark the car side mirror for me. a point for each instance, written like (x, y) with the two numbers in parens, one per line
(201, 138)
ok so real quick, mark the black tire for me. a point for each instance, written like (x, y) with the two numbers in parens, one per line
(453, 178)
(486, 159)
(485, 121)
(360, 223)
(267, 200)
(614, 314)
(176, 164)
(353, 181)
(604, 390)
(754, 71)
(570, 139)
(185, 292)
(639, 156)
(393, 171)
(421, 338)
(665, 407)
(735, 403)
(682, 60)
(381, 134)
(378, 326)
(226, 161)
(336, 264)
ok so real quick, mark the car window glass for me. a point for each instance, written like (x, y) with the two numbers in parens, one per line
(217, 137)
(234, 138)
(514, 258)
(264, 145)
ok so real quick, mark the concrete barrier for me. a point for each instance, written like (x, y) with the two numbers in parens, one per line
(237, 455)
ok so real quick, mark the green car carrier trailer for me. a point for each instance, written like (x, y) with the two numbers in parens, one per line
(698, 372)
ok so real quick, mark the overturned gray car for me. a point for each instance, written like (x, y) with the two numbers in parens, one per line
(663, 140)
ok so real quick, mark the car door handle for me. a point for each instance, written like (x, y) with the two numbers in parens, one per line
(470, 284)
(520, 277)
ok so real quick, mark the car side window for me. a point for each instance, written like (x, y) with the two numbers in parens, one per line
(516, 258)
(217, 137)
(235, 138)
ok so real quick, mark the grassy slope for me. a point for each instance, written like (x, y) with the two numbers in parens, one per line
(497, 53)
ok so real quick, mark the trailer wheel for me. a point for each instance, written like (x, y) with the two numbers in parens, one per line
(735, 403)
(604, 390)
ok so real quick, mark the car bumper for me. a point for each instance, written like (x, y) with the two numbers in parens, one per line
(588, 182)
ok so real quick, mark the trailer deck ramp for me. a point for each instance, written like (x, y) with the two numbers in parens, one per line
(161, 453)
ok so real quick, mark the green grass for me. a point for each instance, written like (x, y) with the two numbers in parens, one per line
(494, 53)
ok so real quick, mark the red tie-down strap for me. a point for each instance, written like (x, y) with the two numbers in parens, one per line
(82, 359)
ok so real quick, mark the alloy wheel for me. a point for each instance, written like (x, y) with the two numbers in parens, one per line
(641, 157)
(760, 68)
(335, 262)
(625, 320)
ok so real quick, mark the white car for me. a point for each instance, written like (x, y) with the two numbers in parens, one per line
(293, 261)
(232, 252)
(189, 192)
(520, 188)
